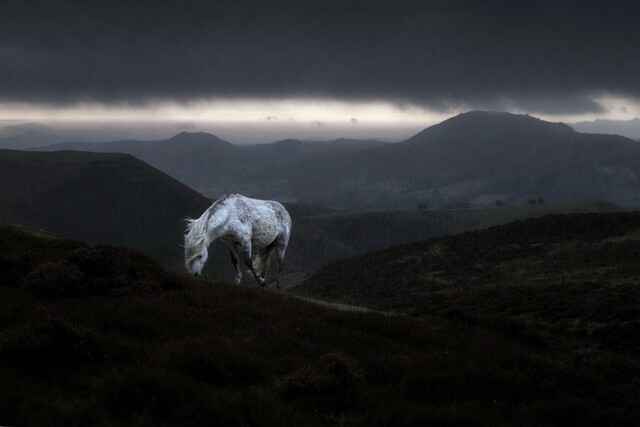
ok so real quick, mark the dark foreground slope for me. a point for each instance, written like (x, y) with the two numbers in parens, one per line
(573, 278)
(112, 198)
(101, 335)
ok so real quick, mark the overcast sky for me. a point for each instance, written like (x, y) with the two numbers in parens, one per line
(311, 64)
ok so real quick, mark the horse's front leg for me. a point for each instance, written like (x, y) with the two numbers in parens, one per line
(234, 247)
(246, 249)
(236, 264)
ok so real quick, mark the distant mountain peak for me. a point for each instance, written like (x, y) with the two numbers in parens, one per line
(629, 128)
(201, 137)
(490, 113)
(473, 124)
(506, 117)
(195, 135)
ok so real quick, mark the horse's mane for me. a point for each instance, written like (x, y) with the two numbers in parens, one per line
(197, 230)
(195, 236)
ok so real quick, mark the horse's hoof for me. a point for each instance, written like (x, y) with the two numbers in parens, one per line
(274, 285)
(262, 282)
(237, 281)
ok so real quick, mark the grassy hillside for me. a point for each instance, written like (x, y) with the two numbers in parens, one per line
(323, 235)
(101, 335)
(112, 198)
(24, 248)
(573, 279)
(117, 199)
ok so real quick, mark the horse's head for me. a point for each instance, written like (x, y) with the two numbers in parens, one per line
(195, 259)
(195, 246)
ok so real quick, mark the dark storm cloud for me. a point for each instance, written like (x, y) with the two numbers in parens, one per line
(547, 56)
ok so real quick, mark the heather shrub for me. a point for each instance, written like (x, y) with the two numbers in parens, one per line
(45, 341)
(330, 382)
(108, 269)
(55, 280)
(99, 270)
(215, 361)
(14, 268)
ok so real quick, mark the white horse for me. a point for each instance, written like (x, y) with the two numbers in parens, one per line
(247, 226)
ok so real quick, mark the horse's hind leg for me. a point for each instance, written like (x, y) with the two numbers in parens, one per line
(233, 252)
(279, 258)
(246, 249)
(265, 260)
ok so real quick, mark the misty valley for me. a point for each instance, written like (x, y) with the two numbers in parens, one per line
(475, 159)
(484, 271)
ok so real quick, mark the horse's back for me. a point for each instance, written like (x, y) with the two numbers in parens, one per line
(268, 218)
(281, 214)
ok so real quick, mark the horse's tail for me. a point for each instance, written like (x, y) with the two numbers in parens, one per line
(263, 258)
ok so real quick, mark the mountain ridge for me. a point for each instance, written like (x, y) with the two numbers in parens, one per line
(473, 158)
(478, 158)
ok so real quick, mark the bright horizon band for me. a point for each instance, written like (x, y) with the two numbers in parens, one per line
(313, 111)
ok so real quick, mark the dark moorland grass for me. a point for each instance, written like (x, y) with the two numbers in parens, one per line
(123, 342)
(22, 249)
(324, 236)
(571, 281)
(575, 277)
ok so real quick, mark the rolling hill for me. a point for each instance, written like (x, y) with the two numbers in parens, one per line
(477, 158)
(109, 198)
(102, 335)
(323, 236)
(184, 155)
(214, 166)
(118, 199)
(474, 158)
(572, 278)
(628, 128)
